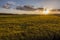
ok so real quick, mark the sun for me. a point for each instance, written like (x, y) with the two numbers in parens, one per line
(46, 11)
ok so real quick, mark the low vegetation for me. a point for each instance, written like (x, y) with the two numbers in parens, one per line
(29, 27)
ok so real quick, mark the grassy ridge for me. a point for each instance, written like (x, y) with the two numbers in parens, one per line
(29, 27)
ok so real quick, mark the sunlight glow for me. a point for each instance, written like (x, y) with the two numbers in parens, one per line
(46, 11)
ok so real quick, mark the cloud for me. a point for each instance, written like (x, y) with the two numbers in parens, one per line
(6, 6)
(11, 2)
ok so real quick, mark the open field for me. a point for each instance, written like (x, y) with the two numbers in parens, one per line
(29, 27)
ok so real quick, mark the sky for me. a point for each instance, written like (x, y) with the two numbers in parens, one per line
(35, 3)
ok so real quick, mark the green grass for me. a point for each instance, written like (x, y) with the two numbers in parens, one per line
(29, 27)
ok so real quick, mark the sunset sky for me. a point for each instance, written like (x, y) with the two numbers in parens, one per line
(35, 3)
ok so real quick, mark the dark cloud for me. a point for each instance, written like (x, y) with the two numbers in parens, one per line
(25, 7)
(8, 4)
